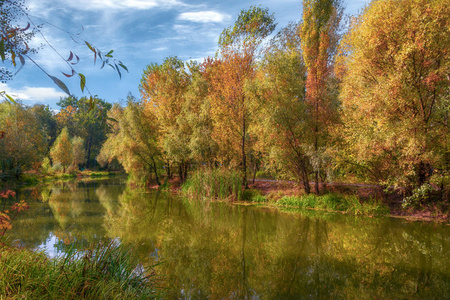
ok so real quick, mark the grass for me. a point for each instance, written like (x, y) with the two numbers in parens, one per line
(104, 271)
(214, 184)
(335, 202)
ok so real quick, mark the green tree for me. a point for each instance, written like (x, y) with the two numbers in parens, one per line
(197, 110)
(395, 63)
(84, 118)
(284, 117)
(79, 154)
(62, 150)
(133, 141)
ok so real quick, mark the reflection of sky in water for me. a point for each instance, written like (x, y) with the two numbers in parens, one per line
(49, 246)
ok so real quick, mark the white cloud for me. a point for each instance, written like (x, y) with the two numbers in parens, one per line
(33, 94)
(204, 17)
(106, 5)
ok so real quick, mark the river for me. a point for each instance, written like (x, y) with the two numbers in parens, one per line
(219, 250)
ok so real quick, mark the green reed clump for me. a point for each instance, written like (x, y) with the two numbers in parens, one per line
(213, 184)
(335, 202)
(108, 271)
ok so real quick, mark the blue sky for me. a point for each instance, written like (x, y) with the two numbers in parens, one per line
(139, 31)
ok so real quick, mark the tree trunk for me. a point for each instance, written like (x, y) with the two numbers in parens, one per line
(180, 172)
(89, 152)
(155, 169)
(244, 157)
(186, 167)
(255, 169)
(306, 185)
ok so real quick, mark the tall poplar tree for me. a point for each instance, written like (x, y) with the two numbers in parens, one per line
(319, 35)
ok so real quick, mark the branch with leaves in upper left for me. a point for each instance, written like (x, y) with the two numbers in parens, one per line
(14, 46)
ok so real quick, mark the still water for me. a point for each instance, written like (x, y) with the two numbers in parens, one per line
(224, 251)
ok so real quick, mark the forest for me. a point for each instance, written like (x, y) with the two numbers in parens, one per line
(326, 99)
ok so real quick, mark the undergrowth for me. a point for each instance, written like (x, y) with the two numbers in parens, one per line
(108, 271)
(335, 202)
(214, 184)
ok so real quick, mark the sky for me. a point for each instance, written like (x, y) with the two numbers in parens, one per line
(140, 32)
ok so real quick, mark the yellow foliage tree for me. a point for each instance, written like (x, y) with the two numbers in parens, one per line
(62, 149)
(395, 66)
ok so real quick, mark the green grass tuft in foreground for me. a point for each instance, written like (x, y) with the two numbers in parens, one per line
(101, 272)
(335, 202)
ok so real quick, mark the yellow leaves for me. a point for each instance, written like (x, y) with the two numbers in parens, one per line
(395, 58)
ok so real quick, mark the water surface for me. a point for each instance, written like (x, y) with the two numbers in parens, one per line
(223, 251)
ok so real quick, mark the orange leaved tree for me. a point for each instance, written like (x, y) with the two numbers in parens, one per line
(228, 75)
(319, 35)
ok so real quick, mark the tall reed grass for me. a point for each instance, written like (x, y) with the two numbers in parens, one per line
(335, 202)
(108, 271)
(213, 184)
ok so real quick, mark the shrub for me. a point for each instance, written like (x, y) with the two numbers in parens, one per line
(214, 184)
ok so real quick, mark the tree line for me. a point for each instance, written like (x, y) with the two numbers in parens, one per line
(314, 101)
(36, 138)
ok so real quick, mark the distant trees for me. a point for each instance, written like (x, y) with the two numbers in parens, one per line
(84, 118)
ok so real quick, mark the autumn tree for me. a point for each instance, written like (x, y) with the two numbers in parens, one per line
(319, 35)
(79, 154)
(228, 75)
(133, 141)
(203, 148)
(24, 141)
(395, 70)
(61, 150)
(284, 119)
(163, 89)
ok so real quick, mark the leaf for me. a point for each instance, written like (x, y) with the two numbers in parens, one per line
(118, 71)
(82, 81)
(112, 119)
(68, 75)
(10, 98)
(22, 63)
(13, 58)
(78, 60)
(90, 46)
(60, 84)
(109, 53)
(26, 28)
(2, 50)
(123, 66)
(70, 56)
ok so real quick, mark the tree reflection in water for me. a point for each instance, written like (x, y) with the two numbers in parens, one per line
(219, 250)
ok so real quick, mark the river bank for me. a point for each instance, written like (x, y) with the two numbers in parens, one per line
(274, 190)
